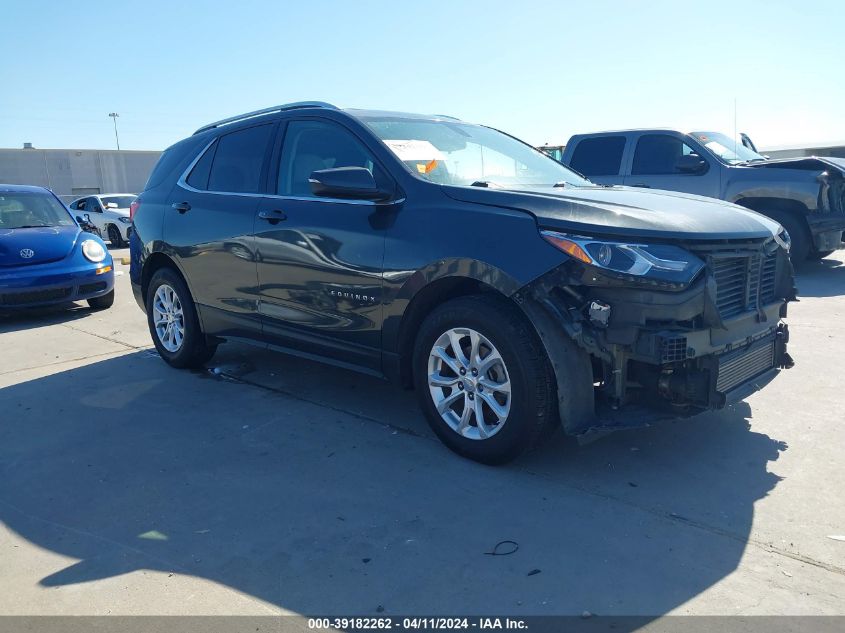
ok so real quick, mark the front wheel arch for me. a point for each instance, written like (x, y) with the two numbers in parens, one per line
(424, 302)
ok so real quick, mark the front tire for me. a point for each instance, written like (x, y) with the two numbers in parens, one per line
(173, 322)
(103, 302)
(799, 235)
(115, 238)
(483, 379)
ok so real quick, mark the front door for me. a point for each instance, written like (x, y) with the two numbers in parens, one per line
(654, 166)
(320, 259)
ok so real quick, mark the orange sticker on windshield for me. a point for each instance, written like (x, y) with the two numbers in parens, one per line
(431, 165)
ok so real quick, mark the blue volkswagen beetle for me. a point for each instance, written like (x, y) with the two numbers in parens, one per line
(45, 257)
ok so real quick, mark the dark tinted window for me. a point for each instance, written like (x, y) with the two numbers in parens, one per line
(94, 205)
(313, 145)
(656, 154)
(237, 162)
(600, 156)
(198, 177)
(167, 162)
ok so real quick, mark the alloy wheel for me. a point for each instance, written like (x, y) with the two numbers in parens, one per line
(168, 318)
(469, 383)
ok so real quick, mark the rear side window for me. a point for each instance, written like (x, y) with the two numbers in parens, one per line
(198, 177)
(657, 154)
(237, 163)
(601, 156)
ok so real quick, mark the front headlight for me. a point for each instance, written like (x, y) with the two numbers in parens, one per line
(658, 264)
(124, 220)
(93, 251)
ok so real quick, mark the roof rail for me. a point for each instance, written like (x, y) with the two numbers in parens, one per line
(279, 108)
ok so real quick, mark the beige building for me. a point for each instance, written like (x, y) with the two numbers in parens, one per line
(72, 173)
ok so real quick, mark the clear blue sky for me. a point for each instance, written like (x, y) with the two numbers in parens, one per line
(540, 70)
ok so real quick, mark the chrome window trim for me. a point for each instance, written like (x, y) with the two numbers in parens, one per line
(183, 183)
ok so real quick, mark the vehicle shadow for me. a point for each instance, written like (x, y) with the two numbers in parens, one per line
(824, 278)
(319, 511)
(31, 318)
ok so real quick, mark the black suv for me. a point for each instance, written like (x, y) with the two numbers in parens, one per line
(511, 293)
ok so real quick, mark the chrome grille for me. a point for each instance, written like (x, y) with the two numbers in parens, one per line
(740, 280)
(736, 369)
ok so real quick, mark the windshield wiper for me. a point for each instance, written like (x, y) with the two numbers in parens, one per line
(485, 183)
(33, 226)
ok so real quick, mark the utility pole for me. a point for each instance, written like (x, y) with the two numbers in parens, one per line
(114, 116)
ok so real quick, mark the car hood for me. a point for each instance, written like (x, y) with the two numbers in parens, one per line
(47, 244)
(625, 211)
(806, 163)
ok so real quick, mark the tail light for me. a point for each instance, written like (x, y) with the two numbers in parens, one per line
(133, 208)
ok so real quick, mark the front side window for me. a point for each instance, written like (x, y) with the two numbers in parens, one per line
(237, 163)
(600, 156)
(27, 210)
(456, 153)
(657, 155)
(310, 146)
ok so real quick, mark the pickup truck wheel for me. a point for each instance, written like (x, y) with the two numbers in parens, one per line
(483, 379)
(798, 235)
(173, 322)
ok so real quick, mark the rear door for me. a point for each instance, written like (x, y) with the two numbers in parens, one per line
(653, 165)
(599, 158)
(320, 259)
(209, 227)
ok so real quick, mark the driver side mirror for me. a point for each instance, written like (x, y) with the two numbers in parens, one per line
(691, 164)
(83, 219)
(355, 183)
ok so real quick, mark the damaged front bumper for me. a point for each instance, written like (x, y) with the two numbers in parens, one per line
(651, 354)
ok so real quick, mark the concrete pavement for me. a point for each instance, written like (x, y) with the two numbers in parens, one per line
(279, 485)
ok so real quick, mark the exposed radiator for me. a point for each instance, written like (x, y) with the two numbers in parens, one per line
(737, 368)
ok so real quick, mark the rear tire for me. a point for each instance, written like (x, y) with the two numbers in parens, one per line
(519, 383)
(102, 303)
(173, 322)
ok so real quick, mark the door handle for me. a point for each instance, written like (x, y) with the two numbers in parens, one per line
(181, 207)
(273, 217)
(643, 185)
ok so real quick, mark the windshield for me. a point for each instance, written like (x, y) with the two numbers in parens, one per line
(24, 210)
(729, 150)
(455, 153)
(122, 202)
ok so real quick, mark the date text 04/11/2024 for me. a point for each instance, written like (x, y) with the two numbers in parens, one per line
(417, 623)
